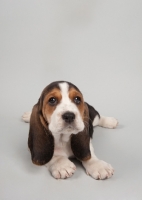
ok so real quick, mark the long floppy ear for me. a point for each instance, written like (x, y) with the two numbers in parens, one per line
(80, 143)
(40, 141)
(92, 114)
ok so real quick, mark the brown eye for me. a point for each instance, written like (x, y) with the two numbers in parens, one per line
(52, 101)
(77, 100)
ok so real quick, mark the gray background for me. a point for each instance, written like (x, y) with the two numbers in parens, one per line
(97, 45)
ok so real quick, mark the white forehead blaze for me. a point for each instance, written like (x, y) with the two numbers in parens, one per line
(66, 104)
(64, 87)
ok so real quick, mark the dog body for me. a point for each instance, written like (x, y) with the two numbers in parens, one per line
(61, 126)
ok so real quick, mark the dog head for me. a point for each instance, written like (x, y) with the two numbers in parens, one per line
(60, 110)
(62, 107)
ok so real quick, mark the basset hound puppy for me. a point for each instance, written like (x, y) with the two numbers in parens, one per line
(61, 126)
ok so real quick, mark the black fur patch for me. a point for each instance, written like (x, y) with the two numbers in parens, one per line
(92, 114)
(80, 145)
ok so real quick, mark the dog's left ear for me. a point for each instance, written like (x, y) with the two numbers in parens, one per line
(92, 114)
(80, 143)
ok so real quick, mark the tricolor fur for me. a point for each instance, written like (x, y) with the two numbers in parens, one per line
(61, 126)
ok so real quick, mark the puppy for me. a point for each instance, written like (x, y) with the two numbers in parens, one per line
(61, 126)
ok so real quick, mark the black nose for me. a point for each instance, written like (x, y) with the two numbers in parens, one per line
(68, 117)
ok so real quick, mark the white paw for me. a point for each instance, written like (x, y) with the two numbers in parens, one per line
(99, 170)
(62, 169)
(108, 122)
(26, 116)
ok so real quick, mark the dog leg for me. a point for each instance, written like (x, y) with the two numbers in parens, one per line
(106, 122)
(96, 168)
(61, 167)
(26, 117)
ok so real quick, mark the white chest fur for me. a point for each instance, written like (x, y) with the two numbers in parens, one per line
(62, 145)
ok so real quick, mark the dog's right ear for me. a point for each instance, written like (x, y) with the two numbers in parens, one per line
(40, 141)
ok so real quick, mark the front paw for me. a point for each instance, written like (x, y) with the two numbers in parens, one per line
(99, 170)
(62, 169)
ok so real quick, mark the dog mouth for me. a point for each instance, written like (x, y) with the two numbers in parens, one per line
(69, 127)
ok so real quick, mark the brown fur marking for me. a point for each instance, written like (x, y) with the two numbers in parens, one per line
(47, 109)
(74, 93)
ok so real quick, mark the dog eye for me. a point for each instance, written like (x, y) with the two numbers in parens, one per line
(77, 100)
(52, 101)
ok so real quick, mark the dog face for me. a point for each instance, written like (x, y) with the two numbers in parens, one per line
(63, 108)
